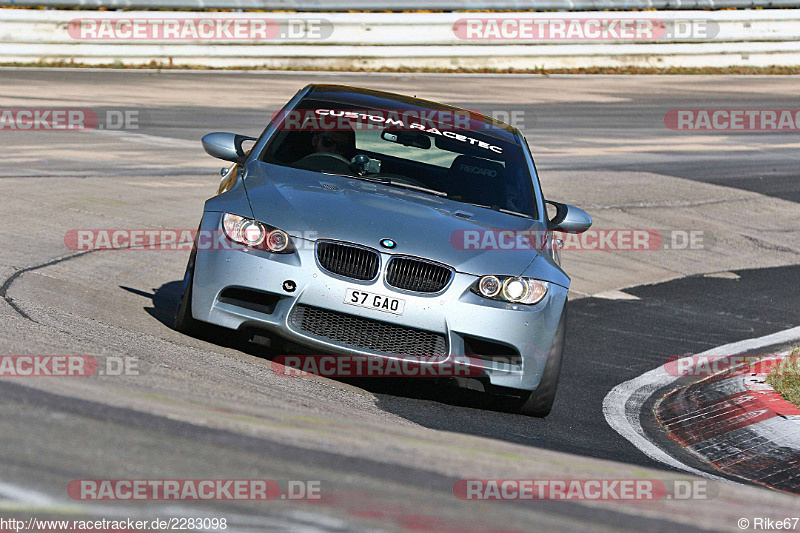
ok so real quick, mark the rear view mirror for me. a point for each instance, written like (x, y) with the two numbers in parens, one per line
(407, 138)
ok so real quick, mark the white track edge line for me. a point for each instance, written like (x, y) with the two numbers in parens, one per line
(623, 404)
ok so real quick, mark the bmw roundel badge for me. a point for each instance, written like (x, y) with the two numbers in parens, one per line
(388, 243)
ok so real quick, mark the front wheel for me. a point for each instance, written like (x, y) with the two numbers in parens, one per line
(539, 402)
(184, 321)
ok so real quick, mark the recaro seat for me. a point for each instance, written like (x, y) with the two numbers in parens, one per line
(477, 180)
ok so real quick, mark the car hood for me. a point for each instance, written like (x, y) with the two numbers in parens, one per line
(314, 206)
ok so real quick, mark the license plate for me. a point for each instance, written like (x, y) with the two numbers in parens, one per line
(370, 300)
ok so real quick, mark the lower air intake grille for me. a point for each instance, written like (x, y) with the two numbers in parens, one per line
(348, 261)
(367, 334)
(417, 275)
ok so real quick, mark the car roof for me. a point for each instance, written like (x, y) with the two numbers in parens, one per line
(371, 98)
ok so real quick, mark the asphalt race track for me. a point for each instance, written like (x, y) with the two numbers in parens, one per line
(387, 452)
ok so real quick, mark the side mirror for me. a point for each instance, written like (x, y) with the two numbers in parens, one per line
(569, 218)
(226, 146)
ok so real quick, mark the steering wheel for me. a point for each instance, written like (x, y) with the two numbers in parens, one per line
(322, 161)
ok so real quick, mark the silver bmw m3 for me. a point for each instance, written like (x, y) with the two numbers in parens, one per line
(370, 224)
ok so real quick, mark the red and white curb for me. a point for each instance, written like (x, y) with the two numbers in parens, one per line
(736, 422)
(622, 406)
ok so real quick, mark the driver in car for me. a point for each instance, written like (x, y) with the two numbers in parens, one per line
(333, 142)
(328, 150)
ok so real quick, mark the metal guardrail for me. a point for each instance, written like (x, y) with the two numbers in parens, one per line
(396, 40)
(410, 5)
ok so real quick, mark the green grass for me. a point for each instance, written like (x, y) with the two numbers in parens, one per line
(785, 379)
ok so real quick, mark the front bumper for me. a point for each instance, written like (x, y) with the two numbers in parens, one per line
(456, 313)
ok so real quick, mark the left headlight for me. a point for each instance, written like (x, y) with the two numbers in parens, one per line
(255, 234)
(511, 289)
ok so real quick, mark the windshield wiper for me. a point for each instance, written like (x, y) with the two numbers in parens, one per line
(413, 187)
(507, 211)
(400, 184)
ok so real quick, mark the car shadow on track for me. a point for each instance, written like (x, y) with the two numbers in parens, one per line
(165, 302)
(392, 394)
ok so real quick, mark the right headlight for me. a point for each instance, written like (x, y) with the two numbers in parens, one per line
(511, 289)
(254, 234)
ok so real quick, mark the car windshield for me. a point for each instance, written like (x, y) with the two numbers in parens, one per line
(434, 152)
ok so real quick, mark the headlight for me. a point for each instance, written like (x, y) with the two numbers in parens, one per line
(489, 286)
(510, 289)
(254, 234)
(278, 240)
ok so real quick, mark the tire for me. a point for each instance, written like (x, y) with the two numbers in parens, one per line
(539, 402)
(184, 321)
